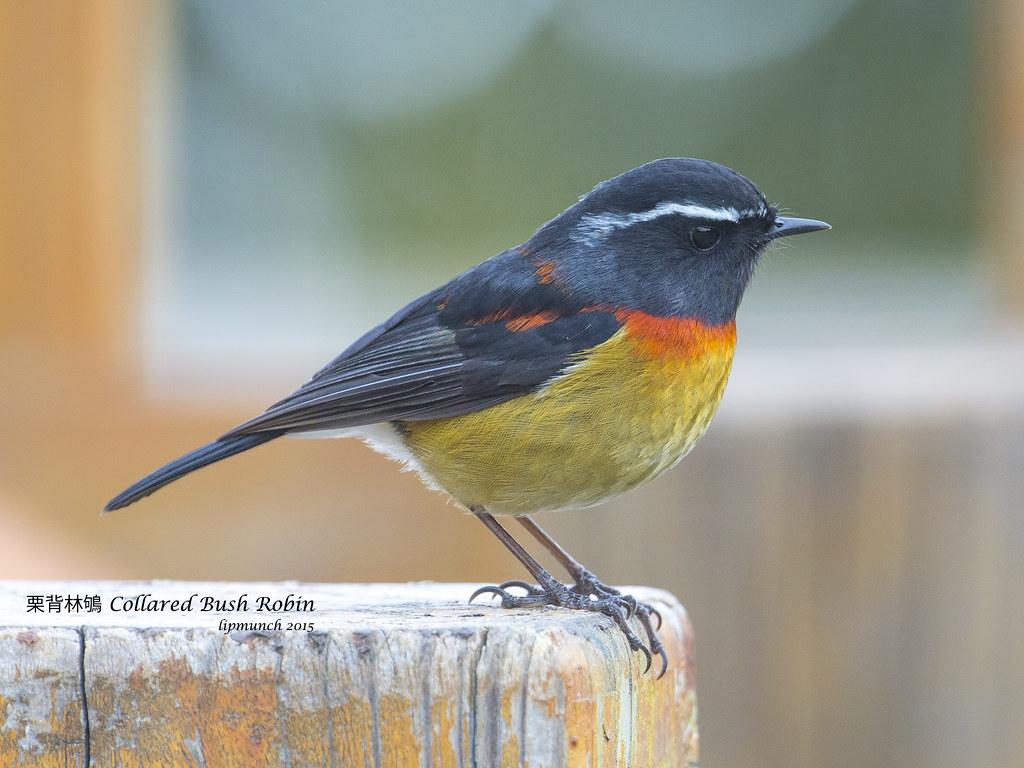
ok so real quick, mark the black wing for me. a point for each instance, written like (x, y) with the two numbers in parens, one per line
(497, 332)
(491, 335)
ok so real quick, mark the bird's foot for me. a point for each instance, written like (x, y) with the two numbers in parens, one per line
(587, 596)
(588, 584)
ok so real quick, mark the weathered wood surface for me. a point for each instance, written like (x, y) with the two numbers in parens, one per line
(392, 675)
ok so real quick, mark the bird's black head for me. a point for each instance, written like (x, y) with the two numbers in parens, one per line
(675, 237)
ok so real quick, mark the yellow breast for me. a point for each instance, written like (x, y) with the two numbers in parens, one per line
(626, 411)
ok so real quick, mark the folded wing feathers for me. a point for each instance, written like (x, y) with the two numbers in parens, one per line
(421, 369)
(406, 371)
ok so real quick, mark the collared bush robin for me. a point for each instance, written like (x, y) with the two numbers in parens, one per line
(556, 374)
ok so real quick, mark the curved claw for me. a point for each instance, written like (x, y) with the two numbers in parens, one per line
(664, 662)
(647, 655)
(654, 612)
(531, 589)
(614, 611)
(489, 590)
(630, 601)
(645, 614)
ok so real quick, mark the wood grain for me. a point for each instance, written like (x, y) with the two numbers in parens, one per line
(392, 675)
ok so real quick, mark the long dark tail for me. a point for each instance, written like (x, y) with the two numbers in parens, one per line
(190, 462)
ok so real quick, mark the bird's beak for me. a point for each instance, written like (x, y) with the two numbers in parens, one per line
(789, 225)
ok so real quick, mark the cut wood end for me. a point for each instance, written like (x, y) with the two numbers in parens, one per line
(399, 671)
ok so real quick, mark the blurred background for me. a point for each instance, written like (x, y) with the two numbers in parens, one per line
(200, 203)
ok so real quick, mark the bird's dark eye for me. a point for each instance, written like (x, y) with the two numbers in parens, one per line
(705, 238)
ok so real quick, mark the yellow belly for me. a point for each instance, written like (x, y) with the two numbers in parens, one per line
(630, 410)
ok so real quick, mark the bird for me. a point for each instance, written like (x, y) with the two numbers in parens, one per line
(554, 375)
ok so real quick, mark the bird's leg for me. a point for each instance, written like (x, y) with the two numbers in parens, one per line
(586, 583)
(551, 591)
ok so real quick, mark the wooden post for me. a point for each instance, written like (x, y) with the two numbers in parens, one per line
(69, 150)
(1002, 52)
(391, 675)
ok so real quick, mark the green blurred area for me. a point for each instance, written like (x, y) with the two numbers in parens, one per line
(870, 125)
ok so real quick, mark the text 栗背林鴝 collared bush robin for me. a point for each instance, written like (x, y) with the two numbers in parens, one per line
(555, 374)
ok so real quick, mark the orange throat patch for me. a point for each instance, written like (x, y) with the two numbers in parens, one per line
(685, 337)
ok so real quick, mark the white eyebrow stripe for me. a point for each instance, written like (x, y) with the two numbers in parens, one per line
(596, 227)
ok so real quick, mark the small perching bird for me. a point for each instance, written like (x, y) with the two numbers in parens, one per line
(556, 374)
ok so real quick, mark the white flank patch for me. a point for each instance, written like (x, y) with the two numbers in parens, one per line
(594, 228)
(384, 439)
